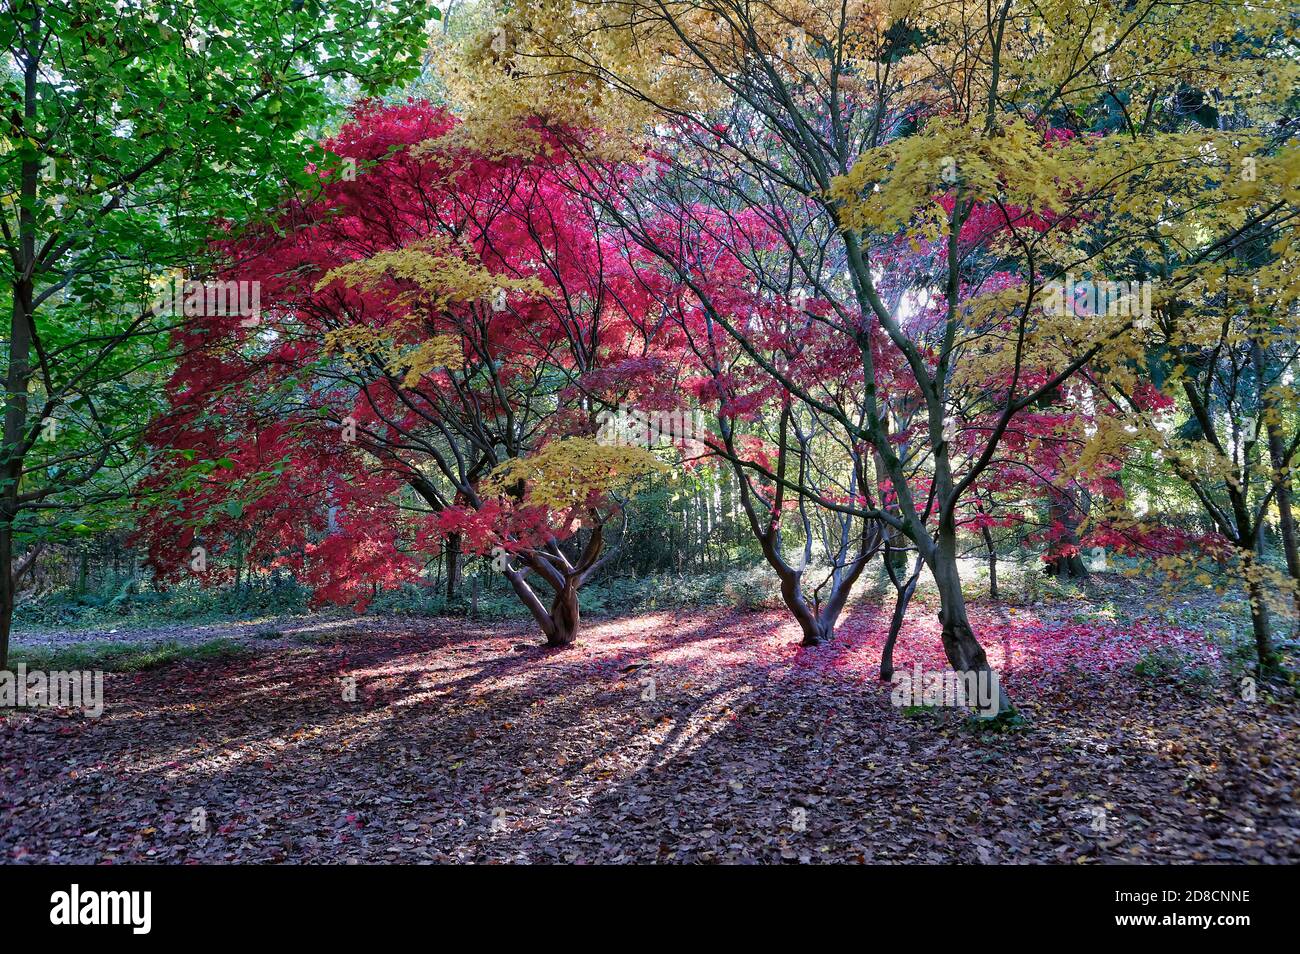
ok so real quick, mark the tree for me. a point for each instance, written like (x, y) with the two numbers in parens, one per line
(131, 132)
(762, 448)
(1231, 358)
(442, 333)
(937, 177)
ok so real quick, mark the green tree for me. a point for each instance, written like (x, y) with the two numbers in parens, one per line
(131, 135)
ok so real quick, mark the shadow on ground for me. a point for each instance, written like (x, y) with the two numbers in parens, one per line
(669, 737)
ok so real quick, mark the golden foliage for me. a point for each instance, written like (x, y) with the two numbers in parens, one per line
(565, 473)
(437, 274)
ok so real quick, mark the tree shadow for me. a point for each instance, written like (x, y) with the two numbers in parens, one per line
(708, 736)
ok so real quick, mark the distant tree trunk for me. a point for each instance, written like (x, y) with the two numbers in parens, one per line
(1065, 565)
(452, 553)
(728, 518)
(896, 556)
(993, 562)
(1286, 514)
(25, 565)
(6, 589)
(1259, 624)
(1069, 567)
(712, 498)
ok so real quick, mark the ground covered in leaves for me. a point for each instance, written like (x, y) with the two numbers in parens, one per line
(707, 737)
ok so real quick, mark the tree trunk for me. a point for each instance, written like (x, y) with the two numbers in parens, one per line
(898, 559)
(1286, 515)
(963, 650)
(1259, 623)
(6, 588)
(1280, 476)
(452, 553)
(14, 440)
(728, 537)
(564, 617)
(1064, 567)
(13, 444)
(817, 625)
(1268, 661)
(26, 565)
(530, 600)
(558, 623)
(829, 611)
(792, 595)
(993, 563)
(902, 598)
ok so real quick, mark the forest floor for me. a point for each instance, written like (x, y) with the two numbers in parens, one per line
(256, 633)
(703, 736)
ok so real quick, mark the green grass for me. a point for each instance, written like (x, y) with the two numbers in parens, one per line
(126, 602)
(125, 657)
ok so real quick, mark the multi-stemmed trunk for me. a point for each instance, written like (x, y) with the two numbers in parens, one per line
(559, 622)
(817, 620)
(564, 617)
